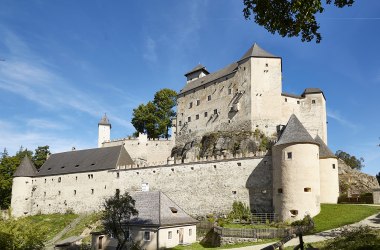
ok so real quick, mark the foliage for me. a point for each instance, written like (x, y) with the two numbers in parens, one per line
(40, 156)
(350, 160)
(240, 211)
(199, 246)
(306, 221)
(20, 235)
(118, 210)
(89, 221)
(290, 18)
(154, 118)
(355, 238)
(378, 178)
(337, 215)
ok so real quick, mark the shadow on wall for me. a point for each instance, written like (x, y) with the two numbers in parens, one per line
(259, 185)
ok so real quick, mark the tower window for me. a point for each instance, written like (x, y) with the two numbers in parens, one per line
(92, 191)
(209, 98)
(313, 101)
(117, 175)
(298, 102)
(279, 190)
(307, 189)
(59, 179)
(289, 155)
(333, 165)
(293, 213)
(75, 192)
(197, 117)
(286, 99)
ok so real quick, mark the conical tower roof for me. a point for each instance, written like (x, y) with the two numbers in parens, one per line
(295, 132)
(26, 168)
(104, 120)
(324, 151)
(256, 51)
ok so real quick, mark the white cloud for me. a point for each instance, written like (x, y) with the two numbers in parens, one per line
(150, 53)
(339, 118)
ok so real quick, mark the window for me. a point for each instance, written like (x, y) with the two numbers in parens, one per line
(189, 119)
(307, 189)
(239, 164)
(197, 117)
(286, 99)
(45, 180)
(266, 65)
(117, 175)
(59, 179)
(198, 102)
(205, 114)
(75, 192)
(76, 178)
(59, 192)
(293, 213)
(190, 232)
(333, 165)
(313, 101)
(289, 155)
(92, 191)
(44, 193)
(209, 98)
(190, 105)
(146, 236)
(117, 192)
(229, 91)
(298, 102)
(233, 192)
(215, 111)
(180, 123)
(170, 235)
(279, 190)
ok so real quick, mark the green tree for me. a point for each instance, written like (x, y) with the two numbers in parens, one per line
(154, 118)
(118, 210)
(350, 160)
(40, 155)
(290, 17)
(378, 178)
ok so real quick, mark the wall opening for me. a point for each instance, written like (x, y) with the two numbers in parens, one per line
(333, 166)
(289, 155)
(279, 191)
(293, 213)
(307, 189)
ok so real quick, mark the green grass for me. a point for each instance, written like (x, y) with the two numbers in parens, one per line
(54, 223)
(86, 222)
(337, 215)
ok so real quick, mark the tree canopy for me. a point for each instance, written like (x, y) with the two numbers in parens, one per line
(290, 18)
(40, 156)
(350, 160)
(154, 118)
(378, 178)
(118, 210)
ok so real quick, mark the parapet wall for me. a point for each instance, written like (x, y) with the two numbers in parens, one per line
(200, 188)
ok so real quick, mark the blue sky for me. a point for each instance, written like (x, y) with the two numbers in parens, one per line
(65, 63)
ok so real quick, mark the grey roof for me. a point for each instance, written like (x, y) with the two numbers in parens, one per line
(313, 91)
(324, 151)
(197, 68)
(295, 132)
(256, 51)
(104, 120)
(291, 95)
(155, 208)
(210, 77)
(87, 160)
(26, 168)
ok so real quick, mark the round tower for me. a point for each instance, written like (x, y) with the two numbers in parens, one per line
(296, 181)
(22, 188)
(328, 165)
(104, 130)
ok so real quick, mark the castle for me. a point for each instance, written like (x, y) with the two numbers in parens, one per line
(291, 179)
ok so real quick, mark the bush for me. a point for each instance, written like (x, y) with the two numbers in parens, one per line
(240, 211)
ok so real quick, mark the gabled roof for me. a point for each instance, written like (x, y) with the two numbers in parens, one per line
(209, 78)
(155, 208)
(199, 67)
(313, 91)
(295, 132)
(324, 151)
(87, 160)
(26, 168)
(256, 51)
(104, 121)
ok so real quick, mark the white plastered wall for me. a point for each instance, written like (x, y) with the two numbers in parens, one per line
(165, 242)
(21, 200)
(104, 134)
(329, 180)
(293, 176)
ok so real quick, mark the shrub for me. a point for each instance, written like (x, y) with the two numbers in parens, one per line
(240, 211)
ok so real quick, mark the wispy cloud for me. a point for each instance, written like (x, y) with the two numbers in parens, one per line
(150, 53)
(45, 124)
(339, 118)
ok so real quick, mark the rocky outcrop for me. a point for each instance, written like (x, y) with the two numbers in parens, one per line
(223, 144)
(352, 181)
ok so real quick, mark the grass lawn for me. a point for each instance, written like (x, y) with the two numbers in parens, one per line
(337, 215)
(54, 223)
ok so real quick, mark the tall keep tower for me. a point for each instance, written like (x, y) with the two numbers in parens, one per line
(104, 130)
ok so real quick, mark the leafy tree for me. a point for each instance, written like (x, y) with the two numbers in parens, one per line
(290, 17)
(154, 118)
(350, 160)
(378, 178)
(40, 155)
(118, 210)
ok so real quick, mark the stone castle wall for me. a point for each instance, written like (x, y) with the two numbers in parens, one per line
(199, 188)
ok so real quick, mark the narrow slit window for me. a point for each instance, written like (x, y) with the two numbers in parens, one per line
(307, 190)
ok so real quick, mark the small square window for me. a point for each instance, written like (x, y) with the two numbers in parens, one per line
(197, 117)
(205, 114)
(198, 102)
(289, 155)
(307, 190)
(59, 192)
(170, 235)
(333, 165)
(298, 102)
(313, 101)
(146, 236)
(279, 190)
(209, 98)
(189, 119)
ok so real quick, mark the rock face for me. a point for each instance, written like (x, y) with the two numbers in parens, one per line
(223, 144)
(352, 181)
